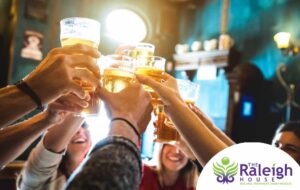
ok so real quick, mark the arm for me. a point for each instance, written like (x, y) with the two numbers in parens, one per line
(211, 126)
(44, 160)
(202, 141)
(115, 162)
(53, 77)
(15, 139)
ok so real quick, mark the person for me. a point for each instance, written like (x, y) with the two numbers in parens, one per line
(115, 162)
(51, 80)
(203, 142)
(287, 138)
(174, 170)
(58, 154)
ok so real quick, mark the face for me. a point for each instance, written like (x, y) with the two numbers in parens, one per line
(79, 144)
(172, 158)
(288, 142)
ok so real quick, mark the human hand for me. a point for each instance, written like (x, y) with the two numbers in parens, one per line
(57, 73)
(124, 49)
(133, 103)
(71, 103)
(167, 90)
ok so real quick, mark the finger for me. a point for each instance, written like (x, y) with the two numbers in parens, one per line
(83, 61)
(77, 90)
(73, 99)
(167, 76)
(156, 86)
(86, 76)
(66, 108)
(76, 49)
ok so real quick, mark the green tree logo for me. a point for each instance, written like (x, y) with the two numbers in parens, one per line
(225, 171)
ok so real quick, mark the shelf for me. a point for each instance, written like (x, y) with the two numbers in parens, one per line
(192, 60)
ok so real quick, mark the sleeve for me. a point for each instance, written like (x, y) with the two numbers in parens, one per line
(114, 163)
(41, 167)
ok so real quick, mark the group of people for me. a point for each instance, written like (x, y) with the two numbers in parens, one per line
(64, 157)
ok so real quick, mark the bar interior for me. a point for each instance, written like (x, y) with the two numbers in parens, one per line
(235, 66)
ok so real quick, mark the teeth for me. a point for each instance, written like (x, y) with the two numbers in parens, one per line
(173, 158)
(80, 140)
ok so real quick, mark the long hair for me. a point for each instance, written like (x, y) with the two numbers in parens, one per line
(189, 172)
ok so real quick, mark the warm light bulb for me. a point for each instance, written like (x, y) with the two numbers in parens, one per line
(282, 39)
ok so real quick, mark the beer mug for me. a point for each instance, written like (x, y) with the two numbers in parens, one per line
(77, 30)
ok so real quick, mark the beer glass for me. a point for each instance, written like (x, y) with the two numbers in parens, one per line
(166, 132)
(154, 68)
(118, 72)
(77, 30)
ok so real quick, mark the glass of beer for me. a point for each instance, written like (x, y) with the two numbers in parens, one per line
(118, 72)
(166, 132)
(154, 68)
(77, 30)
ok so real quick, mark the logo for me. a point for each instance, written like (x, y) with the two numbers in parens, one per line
(225, 171)
(255, 166)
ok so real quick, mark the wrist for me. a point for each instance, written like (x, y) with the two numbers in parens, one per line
(126, 116)
(44, 92)
(122, 128)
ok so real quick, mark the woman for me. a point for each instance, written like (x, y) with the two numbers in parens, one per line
(174, 171)
(287, 138)
(58, 154)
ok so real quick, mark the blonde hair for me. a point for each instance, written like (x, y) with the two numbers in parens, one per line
(189, 172)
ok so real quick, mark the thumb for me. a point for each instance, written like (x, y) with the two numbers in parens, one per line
(156, 86)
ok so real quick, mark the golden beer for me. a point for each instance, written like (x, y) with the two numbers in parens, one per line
(73, 41)
(115, 80)
(164, 131)
(154, 73)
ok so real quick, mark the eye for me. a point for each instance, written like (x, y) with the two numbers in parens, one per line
(276, 144)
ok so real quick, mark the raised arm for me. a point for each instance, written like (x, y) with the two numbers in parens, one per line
(44, 160)
(203, 142)
(16, 138)
(211, 126)
(53, 77)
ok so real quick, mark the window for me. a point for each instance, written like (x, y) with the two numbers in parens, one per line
(125, 26)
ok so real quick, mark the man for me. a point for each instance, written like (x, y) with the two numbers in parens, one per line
(287, 138)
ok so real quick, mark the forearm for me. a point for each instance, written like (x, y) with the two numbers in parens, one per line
(200, 139)
(114, 164)
(15, 139)
(14, 105)
(41, 166)
(221, 135)
(58, 137)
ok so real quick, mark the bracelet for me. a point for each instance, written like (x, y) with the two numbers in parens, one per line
(129, 124)
(23, 86)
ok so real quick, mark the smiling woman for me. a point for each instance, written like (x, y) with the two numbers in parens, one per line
(120, 23)
(173, 170)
